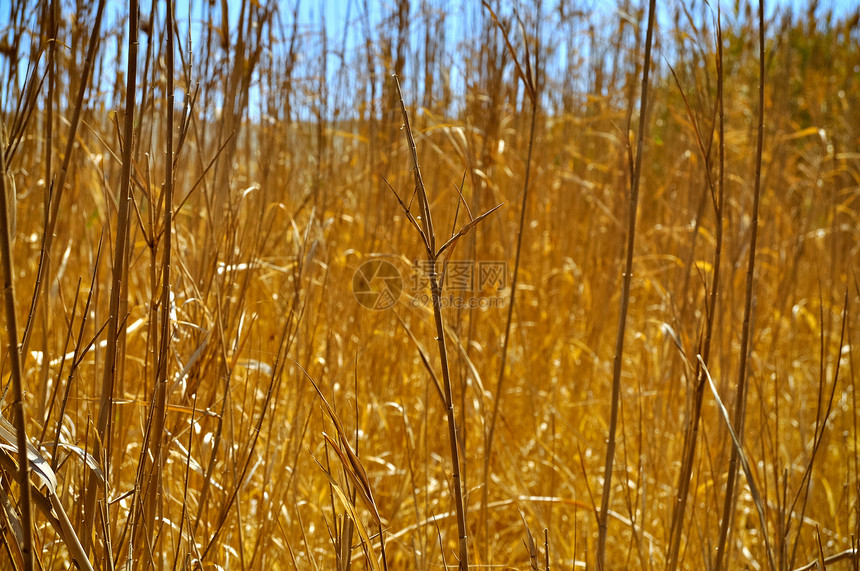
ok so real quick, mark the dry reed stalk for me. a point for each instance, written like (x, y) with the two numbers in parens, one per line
(716, 193)
(101, 448)
(152, 486)
(54, 196)
(358, 483)
(14, 348)
(741, 390)
(737, 446)
(254, 438)
(530, 80)
(625, 297)
(79, 352)
(53, 398)
(822, 416)
(49, 20)
(428, 236)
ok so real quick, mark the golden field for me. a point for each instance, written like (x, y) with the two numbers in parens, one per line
(246, 341)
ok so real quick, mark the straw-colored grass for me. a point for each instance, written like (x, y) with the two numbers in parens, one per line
(230, 402)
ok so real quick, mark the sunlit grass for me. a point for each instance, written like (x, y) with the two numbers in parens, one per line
(281, 193)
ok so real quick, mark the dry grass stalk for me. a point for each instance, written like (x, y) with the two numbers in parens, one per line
(55, 194)
(529, 79)
(119, 288)
(632, 211)
(716, 193)
(428, 236)
(741, 388)
(14, 348)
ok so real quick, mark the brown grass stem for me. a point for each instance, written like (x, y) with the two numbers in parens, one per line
(118, 287)
(741, 387)
(429, 238)
(55, 195)
(716, 191)
(14, 348)
(153, 485)
(737, 446)
(625, 297)
(530, 82)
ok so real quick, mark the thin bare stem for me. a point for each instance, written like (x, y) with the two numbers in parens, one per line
(530, 82)
(692, 430)
(17, 383)
(52, 210)
(154, 483)
(741, 391)
(436, 291)
(625, 297)
(117, 285)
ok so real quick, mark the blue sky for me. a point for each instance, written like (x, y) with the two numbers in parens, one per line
(343, 21)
